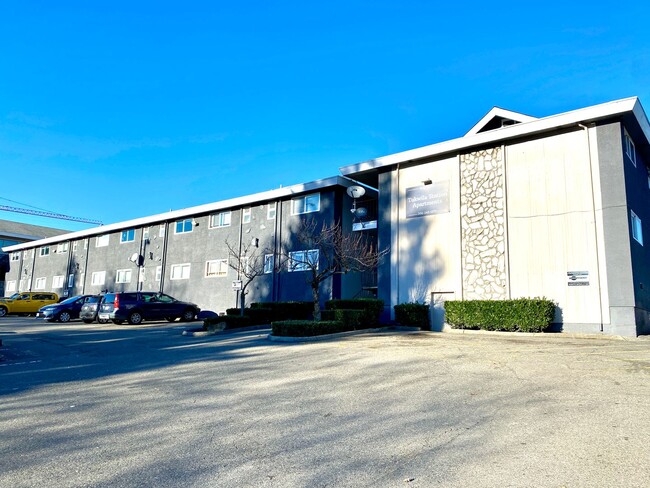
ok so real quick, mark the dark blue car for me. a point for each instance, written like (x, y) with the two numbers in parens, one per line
(64, 311)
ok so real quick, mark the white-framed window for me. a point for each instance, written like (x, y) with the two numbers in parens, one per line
(86, 243)
(221, 219)
(246, 215)
(102, 241)
(15, 256)
(271, 210)
(305, 204)
(57, 282)
(269, 263)
(127, 235)
(158, 273)
(40, 283)
(74, 246)
(71, 280)
(303, 260)
(145, 233)
(98, 278)
(630, 150)
(180, 271)
(82, 278)
(62, 247)
(161, 230)
(216, 267)
(637, 229)
(183, 226)
(10, 286)
(44, 251)
(123, 276)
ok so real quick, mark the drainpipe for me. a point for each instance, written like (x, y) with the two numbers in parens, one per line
(593, 209)
(31, 278)
(83, 285)
(163, 262)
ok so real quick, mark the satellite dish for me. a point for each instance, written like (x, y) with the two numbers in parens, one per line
(356, 191)
(135, 257)
(361, 212)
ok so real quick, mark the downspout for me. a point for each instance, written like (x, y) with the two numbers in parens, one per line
(67, 274)
(277, 251)
(83, 285)
(31, 278)
(241, 230)
(20, 270)
(593, 209)
(397, 267)
(163, 262)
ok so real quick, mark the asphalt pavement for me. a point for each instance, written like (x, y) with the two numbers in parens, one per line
(123, 406)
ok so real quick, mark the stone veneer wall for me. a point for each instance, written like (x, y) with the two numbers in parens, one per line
(482, 217)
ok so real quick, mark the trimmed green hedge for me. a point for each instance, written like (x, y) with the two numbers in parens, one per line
(521, 314)
(371, 307)
(286, 310)
(351, 319)
(231, 321)
(413, 314)
(306, 328)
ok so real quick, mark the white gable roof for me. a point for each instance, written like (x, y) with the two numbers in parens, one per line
(499, 113)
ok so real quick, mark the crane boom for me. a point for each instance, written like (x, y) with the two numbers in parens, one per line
(50, 215)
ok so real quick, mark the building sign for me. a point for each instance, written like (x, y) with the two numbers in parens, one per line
(236, 285)
(577, 278)
(427, 200)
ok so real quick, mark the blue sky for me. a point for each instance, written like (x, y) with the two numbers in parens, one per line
(123, 109)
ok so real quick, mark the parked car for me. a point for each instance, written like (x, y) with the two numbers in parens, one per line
(138, 306)
(64, 311)
(90, 309)
(27, 302)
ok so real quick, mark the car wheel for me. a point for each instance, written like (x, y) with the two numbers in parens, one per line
(188, 315)
(105, 321)
(88, 321)
(135, 318)
(64, 316)
(3, 311)
(171, 319)
(118, 322)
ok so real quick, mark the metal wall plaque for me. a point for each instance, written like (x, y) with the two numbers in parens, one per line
(427, 200)
(577, 278)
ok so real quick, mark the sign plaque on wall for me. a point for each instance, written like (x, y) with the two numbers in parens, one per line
(429, 199)
(577, 278)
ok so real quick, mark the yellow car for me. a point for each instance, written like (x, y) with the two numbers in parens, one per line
(26, 302)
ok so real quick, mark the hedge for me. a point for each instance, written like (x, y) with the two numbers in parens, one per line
(306, 328)
(521, 314)
(287, 310)
(371, 307)
(351, 319)
(414, 314)
(231, 321)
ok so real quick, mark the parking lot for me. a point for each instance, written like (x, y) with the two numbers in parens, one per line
(106, 405)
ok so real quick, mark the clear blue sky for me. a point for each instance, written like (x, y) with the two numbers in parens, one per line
(123, 109)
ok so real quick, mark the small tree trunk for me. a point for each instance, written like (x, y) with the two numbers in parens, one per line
(242, 301)
(316, 297)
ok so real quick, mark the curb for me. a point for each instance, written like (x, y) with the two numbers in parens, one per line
(205, 333)
(326, 337)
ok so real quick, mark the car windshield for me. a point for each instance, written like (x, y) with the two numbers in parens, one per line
(70, 300)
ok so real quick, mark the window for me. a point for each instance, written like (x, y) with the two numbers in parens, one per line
(123, 276)
(98, 278)
(40, 284)
(246, 215)
(180, 271)
(269, 261)
(222, 219)
(10, 286)
(145, 233)
(71, 280)
(306, 204)
(22, 284)
(102, 241)
(82, 278)
(216, 267)
(15, 256)
(158, 273)
(637, 229)
(184, 226)
(62, 247)
(271, 209)
(161, 231)
(127, 235)
(44, 251)
(303, 260)
(57, 282)
(629, 148)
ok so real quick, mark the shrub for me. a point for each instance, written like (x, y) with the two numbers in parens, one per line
(259, 316)
(521, 314)
(231, 321)
(351, 319)
(371, 307)
(306, 328)
(287, 310)
(233, 311)
(413, 314)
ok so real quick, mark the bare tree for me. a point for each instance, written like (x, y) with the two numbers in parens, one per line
(328, 251)
(249, 264)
